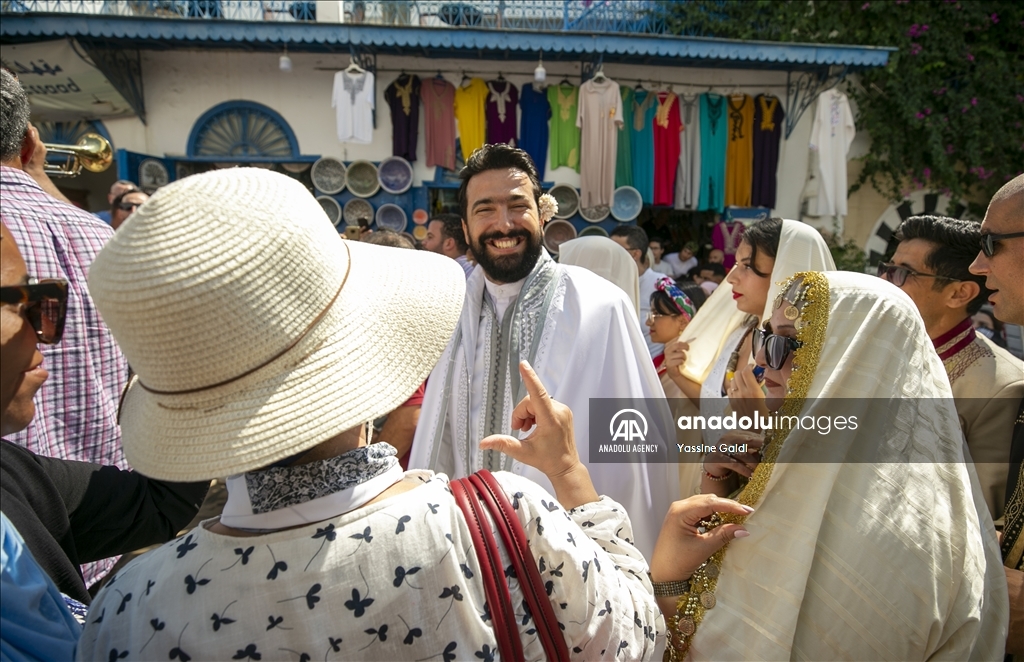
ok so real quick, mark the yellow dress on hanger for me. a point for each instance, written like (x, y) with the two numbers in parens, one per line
(469, 111)
(739, 156)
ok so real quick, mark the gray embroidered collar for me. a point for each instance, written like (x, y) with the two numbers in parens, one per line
(280, 487)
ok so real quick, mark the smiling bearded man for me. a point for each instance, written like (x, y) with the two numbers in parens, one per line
(578, 331)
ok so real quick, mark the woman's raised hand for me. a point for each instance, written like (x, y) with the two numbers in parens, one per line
(551, 447)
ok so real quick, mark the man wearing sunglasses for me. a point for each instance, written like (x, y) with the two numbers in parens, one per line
(1001, 262)
(931, 264)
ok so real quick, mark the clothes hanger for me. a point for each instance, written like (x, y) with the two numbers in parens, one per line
(465, 79)
(565, 81)
(639, 85)
(439, 75)
(354, 68)
(599, 77)
(501, 77)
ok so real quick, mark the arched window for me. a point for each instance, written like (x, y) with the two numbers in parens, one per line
(69, 133)
(242, 130)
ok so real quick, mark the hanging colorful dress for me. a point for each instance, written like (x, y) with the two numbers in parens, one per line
(502, 99)
(599, 117)
(403, 98)
(533, 126)
(739, 160)
(713, 137)
(469, 110)
(645, 105)
(565, 135)
(667, 128)
(439, 122)
(688, 175)
(768, 118)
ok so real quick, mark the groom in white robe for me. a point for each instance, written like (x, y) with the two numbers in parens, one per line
(579, 332)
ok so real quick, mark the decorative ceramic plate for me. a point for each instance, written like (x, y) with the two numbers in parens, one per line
(419, 216)
(595, 214)
(419, 233)
(567, 198)
(391, 217)
(626, 203)
(331, 208)
(362, 178)
(328, 175)
(594, 231)
(395, 175)
(558, 232)
(356, 210)
(409, 237)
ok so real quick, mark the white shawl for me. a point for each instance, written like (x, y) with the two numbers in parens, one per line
(872, 544)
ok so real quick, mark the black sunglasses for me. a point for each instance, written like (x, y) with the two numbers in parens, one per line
(128, 206)
(898, 275)
(990, 241)
(45, 305)
(776, 348)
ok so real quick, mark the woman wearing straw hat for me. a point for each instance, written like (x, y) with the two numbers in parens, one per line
(262, 344)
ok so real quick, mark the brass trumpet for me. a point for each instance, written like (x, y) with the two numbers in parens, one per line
(92, 152)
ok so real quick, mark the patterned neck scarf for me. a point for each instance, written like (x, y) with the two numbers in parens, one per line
(281, 497)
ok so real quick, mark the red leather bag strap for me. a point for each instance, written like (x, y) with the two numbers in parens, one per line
(492, 573)
(514, 536)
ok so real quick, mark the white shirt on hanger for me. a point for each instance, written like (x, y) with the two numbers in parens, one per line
(831, 136)
(353, 101)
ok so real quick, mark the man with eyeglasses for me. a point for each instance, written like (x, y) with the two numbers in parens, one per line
(931, 264)
(1001, 262)
(77, 408)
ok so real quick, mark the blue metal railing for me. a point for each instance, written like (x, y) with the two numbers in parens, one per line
(590, 16)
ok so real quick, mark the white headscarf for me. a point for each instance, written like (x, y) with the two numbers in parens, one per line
(606, 259)
(871, 543)
(801, 248)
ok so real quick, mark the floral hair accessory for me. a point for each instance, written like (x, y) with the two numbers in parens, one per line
(548, 207)
(679, 298)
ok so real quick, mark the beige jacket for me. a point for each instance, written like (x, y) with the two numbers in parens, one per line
(988, 384)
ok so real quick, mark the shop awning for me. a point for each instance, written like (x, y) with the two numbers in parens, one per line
(63, 83)
(431, 42)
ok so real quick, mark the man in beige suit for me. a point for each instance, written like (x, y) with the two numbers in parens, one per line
(931, 264)
(1001, 263)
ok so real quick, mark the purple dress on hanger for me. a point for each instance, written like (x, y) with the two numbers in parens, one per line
(768, 119)
(502, 99)
(403, 97)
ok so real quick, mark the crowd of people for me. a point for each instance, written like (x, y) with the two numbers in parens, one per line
(339, 388)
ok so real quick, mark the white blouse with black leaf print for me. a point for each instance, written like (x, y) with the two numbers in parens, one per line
(396, 580)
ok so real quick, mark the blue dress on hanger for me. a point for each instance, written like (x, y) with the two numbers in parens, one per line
(533, 126)
(714, 125)
(645, 106)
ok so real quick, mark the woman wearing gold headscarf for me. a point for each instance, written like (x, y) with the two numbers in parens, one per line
(717, 341)
(866, 543)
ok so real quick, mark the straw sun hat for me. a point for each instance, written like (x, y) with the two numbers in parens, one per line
(256, 332)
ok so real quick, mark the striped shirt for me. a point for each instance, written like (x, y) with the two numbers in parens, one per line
(76, 409)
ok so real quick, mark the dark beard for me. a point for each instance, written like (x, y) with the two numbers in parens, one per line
(507, 268)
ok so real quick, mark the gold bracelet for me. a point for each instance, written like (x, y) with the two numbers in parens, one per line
(670, 589)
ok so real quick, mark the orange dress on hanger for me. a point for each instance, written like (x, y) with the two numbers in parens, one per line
(739, 156)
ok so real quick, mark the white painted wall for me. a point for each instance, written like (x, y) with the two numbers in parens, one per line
(181, 85)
